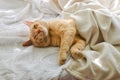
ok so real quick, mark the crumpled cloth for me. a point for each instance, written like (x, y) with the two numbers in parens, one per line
(98, 22)
(27, 63)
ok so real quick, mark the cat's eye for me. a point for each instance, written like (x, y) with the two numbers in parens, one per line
(35, 26)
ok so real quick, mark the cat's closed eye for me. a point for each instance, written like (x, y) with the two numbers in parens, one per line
(35, 26)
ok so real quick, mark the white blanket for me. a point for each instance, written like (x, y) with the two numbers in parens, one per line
(98, 22)
(26, 63)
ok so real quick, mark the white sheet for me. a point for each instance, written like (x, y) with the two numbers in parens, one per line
(99, 24)
(26, 63)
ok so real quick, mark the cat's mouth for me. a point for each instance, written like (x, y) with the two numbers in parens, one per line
(39, 35)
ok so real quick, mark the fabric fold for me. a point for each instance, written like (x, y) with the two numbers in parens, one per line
(100, 28)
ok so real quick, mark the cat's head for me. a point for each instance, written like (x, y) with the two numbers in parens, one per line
(38, 32)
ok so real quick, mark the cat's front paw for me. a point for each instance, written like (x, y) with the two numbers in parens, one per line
(62, 59)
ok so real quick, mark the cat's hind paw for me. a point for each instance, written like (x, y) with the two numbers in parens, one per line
(77, 55)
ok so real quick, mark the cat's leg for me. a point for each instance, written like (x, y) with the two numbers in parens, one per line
(27, 43)
(76, 49)
(66, 42)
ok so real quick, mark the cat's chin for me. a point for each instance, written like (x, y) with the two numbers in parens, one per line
(44, 43)
(41, 45)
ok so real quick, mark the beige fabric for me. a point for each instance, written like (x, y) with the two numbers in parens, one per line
(99, 23)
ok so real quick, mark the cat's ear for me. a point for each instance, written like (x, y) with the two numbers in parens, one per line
(28, 23)
(27, 43)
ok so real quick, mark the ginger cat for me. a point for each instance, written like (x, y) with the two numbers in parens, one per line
(61, 32)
